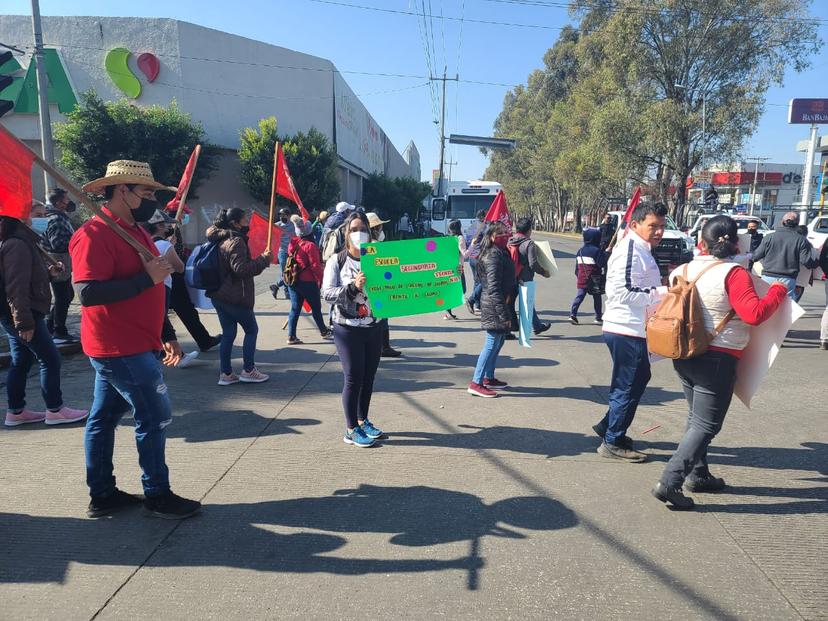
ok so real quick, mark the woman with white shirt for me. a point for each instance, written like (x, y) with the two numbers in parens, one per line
(455, 229)
(728, 299)
(356, 332)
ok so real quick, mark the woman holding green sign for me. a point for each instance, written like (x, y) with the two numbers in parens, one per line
(497, 278)
(356, 332)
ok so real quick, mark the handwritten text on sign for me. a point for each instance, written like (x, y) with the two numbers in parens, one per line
(412, 277)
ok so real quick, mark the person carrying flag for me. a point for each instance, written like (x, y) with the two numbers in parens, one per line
(123, 300)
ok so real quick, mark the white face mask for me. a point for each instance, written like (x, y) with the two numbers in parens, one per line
(358, 238)
(381, 236)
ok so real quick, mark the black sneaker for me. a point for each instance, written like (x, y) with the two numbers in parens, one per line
(623, 441)
(171, 507)
(470, 305)
(64, 338)
(390, 352)
(214, 341)
(704, 484)
(673, 496)
(100, 506)
(274, 291)
(573, 320)
(614, 451)
(544, 327)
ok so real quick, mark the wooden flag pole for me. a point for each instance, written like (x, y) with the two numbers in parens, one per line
(183, 201)
(91, 206)
(268, 247)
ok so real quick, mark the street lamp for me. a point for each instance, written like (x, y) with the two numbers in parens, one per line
(704, 124)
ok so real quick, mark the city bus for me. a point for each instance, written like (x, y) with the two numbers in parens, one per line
(462, 201)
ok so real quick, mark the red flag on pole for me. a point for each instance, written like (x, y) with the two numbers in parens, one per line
(184, 184)
(15, 178)
(257, 237)
(284, 184)
(634, 200)
(499, 212)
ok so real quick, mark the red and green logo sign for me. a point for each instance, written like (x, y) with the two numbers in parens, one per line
(23, 88)
(122, 76)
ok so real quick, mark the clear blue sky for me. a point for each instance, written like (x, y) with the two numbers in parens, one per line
(382, 42)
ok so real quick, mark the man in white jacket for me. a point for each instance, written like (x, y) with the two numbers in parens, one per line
(633, 286)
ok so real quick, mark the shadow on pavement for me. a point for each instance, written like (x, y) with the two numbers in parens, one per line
(210, 425)
(502, 438)
(593, 393)
(237, 535)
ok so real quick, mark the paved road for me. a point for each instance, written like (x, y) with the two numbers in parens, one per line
(471, 509)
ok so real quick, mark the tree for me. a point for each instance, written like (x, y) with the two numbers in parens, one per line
(691, 63)
(97, 132)
(311, 159)
(390, 197)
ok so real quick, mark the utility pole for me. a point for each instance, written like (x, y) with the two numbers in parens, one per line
(809, 171)
(444, 79)
(755, 177)
(42, 94)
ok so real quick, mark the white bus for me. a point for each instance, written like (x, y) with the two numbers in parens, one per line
(462, 201)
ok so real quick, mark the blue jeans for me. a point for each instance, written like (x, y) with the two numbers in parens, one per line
(487, 361)
(231, 316)
(630, 375)
(474, 298)
(790, 283)
(282, 257)
(122, 384)
(23, 356)
(301, 291)
(597, 303)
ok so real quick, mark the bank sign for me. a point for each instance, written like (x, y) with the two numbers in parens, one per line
(808, 111)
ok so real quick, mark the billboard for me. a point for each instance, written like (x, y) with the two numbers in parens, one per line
(808, 111)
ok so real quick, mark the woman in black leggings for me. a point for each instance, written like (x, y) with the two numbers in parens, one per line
(356, 332)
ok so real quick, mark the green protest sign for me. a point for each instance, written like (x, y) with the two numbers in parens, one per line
(412, 277)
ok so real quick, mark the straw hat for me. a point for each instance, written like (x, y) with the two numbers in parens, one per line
(125, 171)
(374, 220)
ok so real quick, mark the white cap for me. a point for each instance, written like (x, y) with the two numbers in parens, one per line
(343, 206)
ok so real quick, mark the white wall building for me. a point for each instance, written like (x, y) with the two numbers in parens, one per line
(224, 81)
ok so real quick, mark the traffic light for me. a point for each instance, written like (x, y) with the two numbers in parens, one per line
(7, 64)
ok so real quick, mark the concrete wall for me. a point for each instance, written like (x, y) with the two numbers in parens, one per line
(225, 82)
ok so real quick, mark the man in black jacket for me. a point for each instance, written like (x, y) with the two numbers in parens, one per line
(522, 248)
(784, 252)
(59, 231)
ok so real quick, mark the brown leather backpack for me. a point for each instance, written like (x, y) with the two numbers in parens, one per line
(677, 330)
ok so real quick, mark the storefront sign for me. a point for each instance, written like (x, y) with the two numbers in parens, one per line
(412, 277)
(808, 111)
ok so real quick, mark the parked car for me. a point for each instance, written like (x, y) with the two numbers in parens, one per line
(741, 221)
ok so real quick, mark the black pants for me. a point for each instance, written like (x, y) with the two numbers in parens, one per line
(63, 295)
(386, 333)
(359, 352)
(187, 313)
(708, 382)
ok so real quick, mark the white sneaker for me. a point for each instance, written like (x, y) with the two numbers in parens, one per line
(187, 359)
(253, 376)
(228, 379)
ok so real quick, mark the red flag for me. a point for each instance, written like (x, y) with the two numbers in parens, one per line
(634, 200)
(257, 237)
(184, 184)
(284, 184)
(499, 212)
(15, 177)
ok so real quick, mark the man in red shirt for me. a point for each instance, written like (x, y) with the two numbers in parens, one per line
(122, 328)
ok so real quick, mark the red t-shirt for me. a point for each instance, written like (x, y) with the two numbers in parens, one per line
(124, 328)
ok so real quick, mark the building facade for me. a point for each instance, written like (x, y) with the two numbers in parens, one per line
(224, 81)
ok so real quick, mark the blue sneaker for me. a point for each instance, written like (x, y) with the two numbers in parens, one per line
(358, 438)
(371, 431)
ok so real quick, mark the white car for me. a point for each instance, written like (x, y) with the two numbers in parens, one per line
(818, 231)
(741, 221)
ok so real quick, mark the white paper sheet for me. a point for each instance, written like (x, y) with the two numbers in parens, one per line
(765, 343)
(546, 258)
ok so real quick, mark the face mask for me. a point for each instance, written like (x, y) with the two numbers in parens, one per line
(168, 233)
(381, 236)
(358, 238)
(244, 230)
(185, 219)
(145, 209)
(283, 218)
(501, 241)
(38, 225)
(71, 207)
